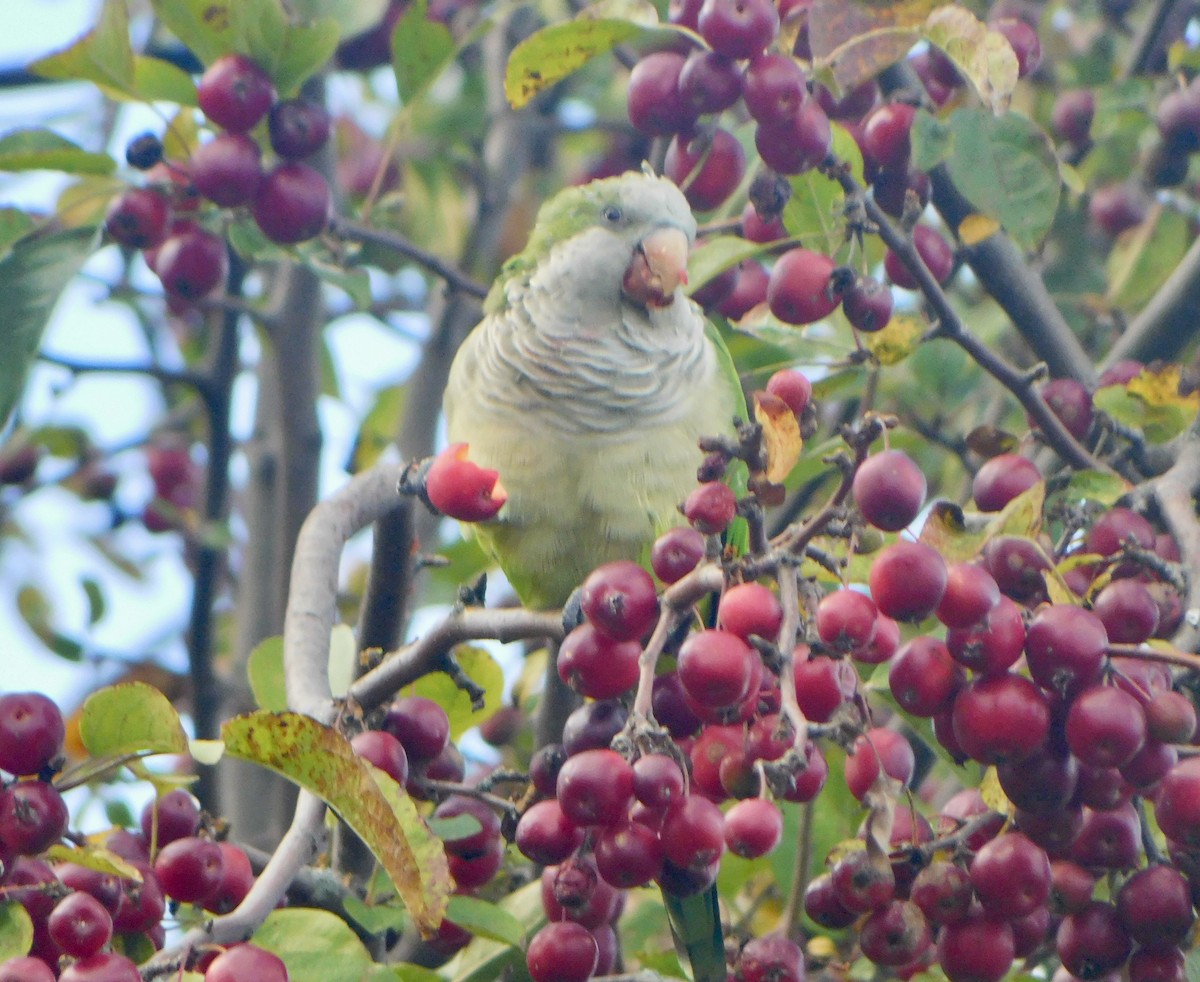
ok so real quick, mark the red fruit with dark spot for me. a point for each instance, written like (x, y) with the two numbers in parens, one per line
(191, 263)
(1127, 610)
(656, 106)
(175, 815)
(138, 218)
(421, 725)
(80, 925)
(1071, 117)
(1011, 876)
(992, 645)
(708, 170)
(753, 828)
(1092, 942)
(868, 305)
(33, 817)
(31, 732)
(923, 677)
(793, 387)
(1071, 402)
(1105, 726)
(382, 750)
(562, 951)
(292, 203)
(619, 599)
(1000, 718)
(799, 289)
(750, 608)
(978, 949)
(885, 139)
(711, 507)
(1178, 805)
(235, 93)
(846, 619)
(774, 88)
(1155, 906)
(1064, 647)
(189, 870)
(595, 787)
(795, 144)
(709, 82)
(246, 961)
(715, 668)
(297, 128)
(676, 553)
(1001, 479)
(878, 748)
(597, 666)
(770, 958)
(738, 28)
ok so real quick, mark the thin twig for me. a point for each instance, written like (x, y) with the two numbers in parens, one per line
(353, 231)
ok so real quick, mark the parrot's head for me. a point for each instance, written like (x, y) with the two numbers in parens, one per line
(629, 234)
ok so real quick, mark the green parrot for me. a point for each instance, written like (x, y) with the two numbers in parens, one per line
(587, 386)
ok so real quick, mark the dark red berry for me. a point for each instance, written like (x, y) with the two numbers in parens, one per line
(297, 128)
(31, 732)
(192, 263)
(138, 218)
(292, 203)
(889, 490)
(227, 170)
(235, 93)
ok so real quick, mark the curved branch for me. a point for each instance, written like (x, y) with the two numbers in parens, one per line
(312, 597)
(166, 376)
(1167, 324)
(353, 231)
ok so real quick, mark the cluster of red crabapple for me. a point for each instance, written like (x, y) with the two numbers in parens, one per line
(289, 202)
(1079, 723)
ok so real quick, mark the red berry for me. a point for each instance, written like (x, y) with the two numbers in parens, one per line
(1011, 876)
(738, 28)
(176, 815)
(1115, 208)
(750, 608)
(709, 82)
(656, 106)
(753, 828)
(462, 489)
(935, 253)
(711, 507)
(1000, 718)
(715, 668)
(793, 387)
(971, 593)
(382, 750)
(1127, 610)
(25, 969)
(1071, 117)
(889, 490)
(246, 961)
(545, 835)
(868, 305)
(1155, 906)
(978, 949)
(595, 787)
(770, 958)
(1178, 805)
(291, 204)
(907, 580)
(138, 218)
(31, 733)
(593, 725)
(80, 925)
(797, 143)
(297, 128)
(33, 817)
(1105, 726)
(846, 619)
(709, 169)
(562, 952)
(923, 677)
(693, 834)
(821, 903)
(235, 93)
(1064, 647)
(749, 290)
(237, 877)
(1092, 941)
(1024, 40)
(1071, 402)
(895, 935)
(822, 684)
(101, 967)
(878, 748)
(799, 289)
(943, 892)
(595, 665)
(1002, 478)
(421, 725)
(227, 170)
(191, 263)
(676, 553)
(885, 139)
(189, 870)
(774, 88)
(629, 855)
(619, 599)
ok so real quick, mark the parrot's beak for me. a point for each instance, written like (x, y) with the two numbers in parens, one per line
(658, 268)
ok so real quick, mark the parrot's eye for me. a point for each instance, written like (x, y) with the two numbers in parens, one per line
(611, 214)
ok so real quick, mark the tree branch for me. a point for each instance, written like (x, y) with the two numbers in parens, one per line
(166, 376)
(354, 232)
(1167, 324)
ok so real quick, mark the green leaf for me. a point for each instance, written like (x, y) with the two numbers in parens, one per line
(421, 49)
(1152, 403)
(1005, 165)
(95, 858)
(551, 54)
(156, 80)
(485, 920)
(320, 759)
(932, 140)
(715, 255)
(95, 598)
(1104, 487)
(39, 149)
(15, 224)
(35, 609)
(16, 931)
(814, 212)
(1143, 257)
(289, 53)
(130, 718)
(375, 918)
(317, 946)
(351, 16)
(485, 960)
(379, 427)
(103, 56)
(483, 670)
(32, 276)
(343, 659)
(204, 25)
(268, 681)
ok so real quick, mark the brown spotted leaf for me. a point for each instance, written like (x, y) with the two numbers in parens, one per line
(320, 760)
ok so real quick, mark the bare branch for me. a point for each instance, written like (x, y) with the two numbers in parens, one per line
(1167, 324)
(354, 232)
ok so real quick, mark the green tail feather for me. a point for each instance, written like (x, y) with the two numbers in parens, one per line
(696, 926)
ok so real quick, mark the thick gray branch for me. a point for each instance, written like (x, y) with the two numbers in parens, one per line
(1168, 322)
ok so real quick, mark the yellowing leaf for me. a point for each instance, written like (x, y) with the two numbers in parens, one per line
(898, 339)
(781, 435)
(130, 718)
(975, 228)
(16, 930)
(320, 759)
(993, 795)
(551, 54)
(1022, 516)
(95, 858)
(983, 56)
(946, 531)
(852, 42)
(1151, 402)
